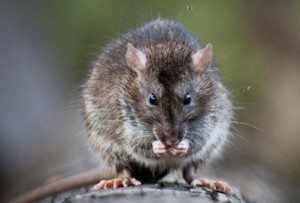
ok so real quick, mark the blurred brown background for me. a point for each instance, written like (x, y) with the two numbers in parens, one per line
(46, 49)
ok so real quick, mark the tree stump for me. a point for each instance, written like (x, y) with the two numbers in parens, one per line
(161, 192)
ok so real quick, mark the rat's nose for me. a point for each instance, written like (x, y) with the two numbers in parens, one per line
(171, 135)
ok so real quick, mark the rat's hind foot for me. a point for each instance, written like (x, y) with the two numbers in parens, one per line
(116, 183)
(212, 185)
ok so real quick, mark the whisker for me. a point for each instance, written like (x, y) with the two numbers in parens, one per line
(240, 136)
(239, 108)
(244, 88)
(250, 125)
(81, 133)
(231, 143)
(238, 133)
(241, 102)
(232, 51)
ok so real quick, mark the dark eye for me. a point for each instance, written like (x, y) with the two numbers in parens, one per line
(187, 99)
(153, 99)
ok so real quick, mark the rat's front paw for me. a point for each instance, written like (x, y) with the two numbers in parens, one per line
(159, 148)
(180, 149)
(212, 185)
(116, 183)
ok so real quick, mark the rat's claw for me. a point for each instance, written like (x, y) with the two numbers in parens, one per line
(212, 185)
(222, 186)
(180, 149)
(116, 183)
(99, 185)
(135, 182)
(159, 148)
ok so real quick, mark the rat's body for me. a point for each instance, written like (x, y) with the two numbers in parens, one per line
(153, 103)
(136, 110)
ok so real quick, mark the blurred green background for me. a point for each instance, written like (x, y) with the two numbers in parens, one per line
(46, 50)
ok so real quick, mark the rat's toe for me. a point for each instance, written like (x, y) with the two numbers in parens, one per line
(203, 184)
(99, 186)
(116, 183)
(212, 185)
(222, 186)
(131, 182)
(135, 182)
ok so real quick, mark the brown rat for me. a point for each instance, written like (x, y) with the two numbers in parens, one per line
(154, 103)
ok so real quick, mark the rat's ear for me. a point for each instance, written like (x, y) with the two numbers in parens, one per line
(202, 59)
(135, 59)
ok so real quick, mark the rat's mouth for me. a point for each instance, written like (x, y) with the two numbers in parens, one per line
(179, 149)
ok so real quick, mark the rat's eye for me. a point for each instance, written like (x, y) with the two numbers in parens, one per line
(153, 99)
(187, 99)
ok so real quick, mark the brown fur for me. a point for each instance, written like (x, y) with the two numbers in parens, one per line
(122, 124)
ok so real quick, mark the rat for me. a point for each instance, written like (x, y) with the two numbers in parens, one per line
(153, 103)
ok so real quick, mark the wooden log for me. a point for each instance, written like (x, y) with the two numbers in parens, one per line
(162, 192)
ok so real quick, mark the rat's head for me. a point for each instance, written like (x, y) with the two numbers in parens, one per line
(170, 88)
